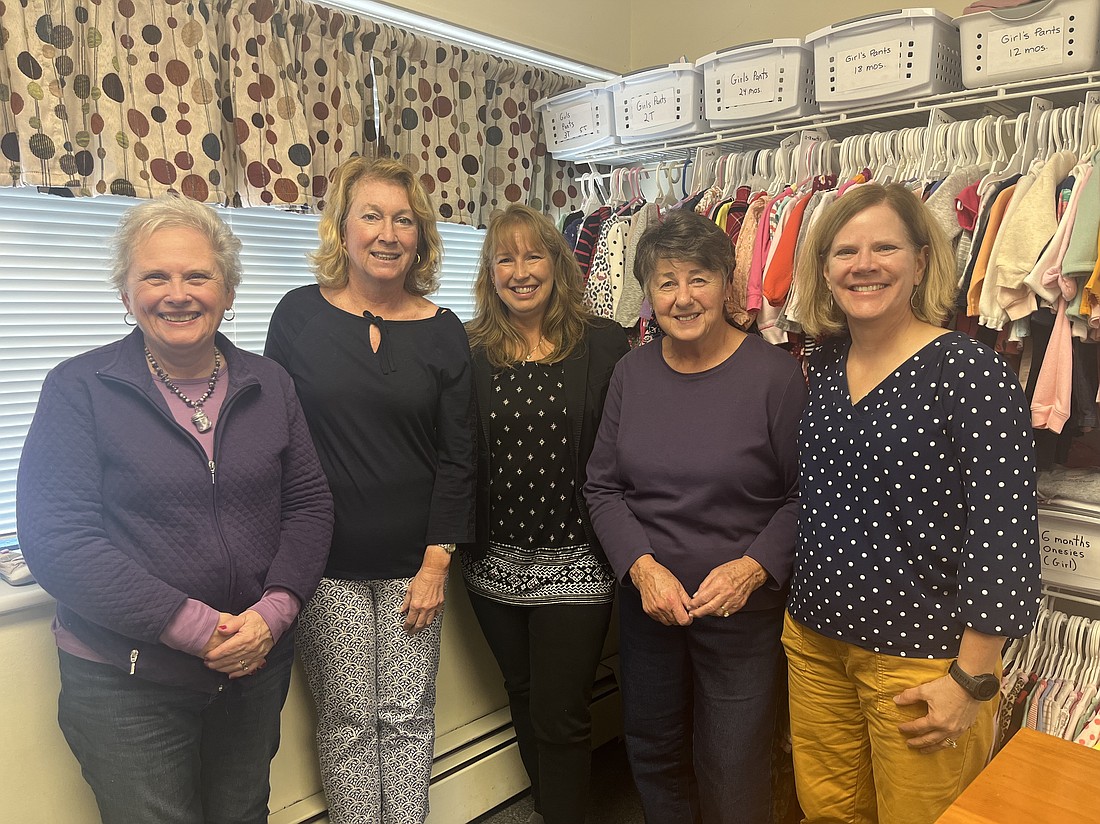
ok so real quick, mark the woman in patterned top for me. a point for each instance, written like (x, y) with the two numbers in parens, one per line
(538, 581)
(918, 547)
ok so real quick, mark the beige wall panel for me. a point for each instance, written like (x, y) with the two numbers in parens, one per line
(597, 33)
(662, 31)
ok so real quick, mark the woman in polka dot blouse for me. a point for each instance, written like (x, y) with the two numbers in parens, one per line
(918, 552)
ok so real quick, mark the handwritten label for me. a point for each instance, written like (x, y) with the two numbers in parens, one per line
(1070, 556)
(753, 84)
(1026, 46)
(652, 109)
(576, 121)
(868, 66)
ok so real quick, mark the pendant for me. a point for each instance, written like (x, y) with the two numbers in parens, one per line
(202, 423)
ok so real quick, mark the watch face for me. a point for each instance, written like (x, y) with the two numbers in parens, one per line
(987, 687)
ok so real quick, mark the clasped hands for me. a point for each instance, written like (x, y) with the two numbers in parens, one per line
(724, 591)
(239, 645)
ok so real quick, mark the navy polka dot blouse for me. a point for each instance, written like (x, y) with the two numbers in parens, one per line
(918, 503)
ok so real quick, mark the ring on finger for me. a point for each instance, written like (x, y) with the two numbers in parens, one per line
(725, 613)
(950, 743)
(244, 664)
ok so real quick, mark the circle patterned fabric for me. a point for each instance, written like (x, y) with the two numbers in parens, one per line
(257, 103)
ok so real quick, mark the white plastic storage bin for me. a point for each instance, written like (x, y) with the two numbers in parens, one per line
(758, 81)
(579, 120)
(880, 58)
(1030, 42)
(659, 102)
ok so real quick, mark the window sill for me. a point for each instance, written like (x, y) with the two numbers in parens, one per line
(17, 599)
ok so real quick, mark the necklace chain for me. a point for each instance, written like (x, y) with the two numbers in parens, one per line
(531, 352)
(199, 419)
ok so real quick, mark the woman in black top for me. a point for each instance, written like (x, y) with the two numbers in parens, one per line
(538, 581)
(384, 378)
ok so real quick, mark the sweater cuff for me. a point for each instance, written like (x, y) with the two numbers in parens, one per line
(191, 627)
(279, 608)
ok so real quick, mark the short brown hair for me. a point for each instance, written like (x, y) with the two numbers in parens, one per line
(683, 235)
(330, 261)
(933, 302)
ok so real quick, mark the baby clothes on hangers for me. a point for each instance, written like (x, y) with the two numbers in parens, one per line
(985, 249)
(628, 311)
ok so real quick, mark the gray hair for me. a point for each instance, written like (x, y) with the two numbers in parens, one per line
(139, 222)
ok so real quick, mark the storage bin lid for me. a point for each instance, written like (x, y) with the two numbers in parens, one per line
(898, 15)
(749, 48)
(575, 94)
(1012, 14)
(651, 72)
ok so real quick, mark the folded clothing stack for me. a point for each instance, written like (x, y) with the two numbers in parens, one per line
(13, 568)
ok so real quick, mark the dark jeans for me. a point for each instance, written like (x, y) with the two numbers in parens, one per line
(155, 753)
(699, 705)
(548, 656)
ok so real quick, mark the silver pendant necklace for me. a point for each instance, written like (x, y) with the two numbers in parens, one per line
(200, 421)
(531, 354)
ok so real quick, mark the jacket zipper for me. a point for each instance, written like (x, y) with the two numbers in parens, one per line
(211, 465)
(133, 660)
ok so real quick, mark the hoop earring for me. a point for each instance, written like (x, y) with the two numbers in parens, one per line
(127, 316)
(417, 259)
(913, 298)
(230, 313)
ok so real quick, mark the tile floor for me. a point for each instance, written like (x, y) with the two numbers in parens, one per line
(613, 799)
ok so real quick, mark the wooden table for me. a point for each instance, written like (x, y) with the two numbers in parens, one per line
(1035, 779)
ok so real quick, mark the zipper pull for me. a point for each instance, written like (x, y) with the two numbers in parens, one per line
(211, 465)
(133, 660)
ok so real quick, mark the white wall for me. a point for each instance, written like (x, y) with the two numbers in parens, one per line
(624, 35)
(596, 32)
(661, 31)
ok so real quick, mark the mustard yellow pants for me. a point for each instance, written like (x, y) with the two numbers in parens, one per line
(851, 764)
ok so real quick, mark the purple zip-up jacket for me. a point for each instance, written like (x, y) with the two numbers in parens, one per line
(121, 517)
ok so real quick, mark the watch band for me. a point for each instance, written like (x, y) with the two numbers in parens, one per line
(448, 548)
(979, 687)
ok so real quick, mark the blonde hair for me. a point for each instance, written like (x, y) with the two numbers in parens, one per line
(139, 222)
(566, 318)
(330, 261)
(933, 300)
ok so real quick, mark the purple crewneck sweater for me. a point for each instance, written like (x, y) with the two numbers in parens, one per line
(700, 469)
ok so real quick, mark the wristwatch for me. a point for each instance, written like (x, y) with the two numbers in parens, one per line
(979, 687)
(448, 548)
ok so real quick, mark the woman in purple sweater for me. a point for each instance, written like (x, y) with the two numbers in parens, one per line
(171, 500)
(693, 493)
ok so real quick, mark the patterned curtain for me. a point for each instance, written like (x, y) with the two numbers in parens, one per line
(249, 102)
(465, 121)
(113, 97)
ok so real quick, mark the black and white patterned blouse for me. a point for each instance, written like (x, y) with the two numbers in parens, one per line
(538, 550)
(918, 503)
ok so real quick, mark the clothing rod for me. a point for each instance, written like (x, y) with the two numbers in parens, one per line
(1049, 590)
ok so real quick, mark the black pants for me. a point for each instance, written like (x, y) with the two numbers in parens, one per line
(548, 656)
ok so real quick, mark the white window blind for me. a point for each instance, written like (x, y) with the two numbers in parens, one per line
(55, 301)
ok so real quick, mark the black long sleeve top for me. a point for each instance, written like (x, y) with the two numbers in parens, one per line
(393, 428)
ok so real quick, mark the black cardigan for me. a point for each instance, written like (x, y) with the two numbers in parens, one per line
(587, 373)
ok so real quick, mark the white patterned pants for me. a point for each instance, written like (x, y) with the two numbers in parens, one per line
(374, 687)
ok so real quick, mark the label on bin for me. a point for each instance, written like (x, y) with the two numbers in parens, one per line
(1036, 44)
(652, 109)
(866, 66)
(753, 84)
(1070, 553)
(576, 121)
